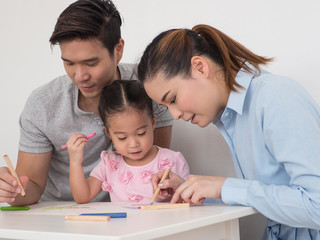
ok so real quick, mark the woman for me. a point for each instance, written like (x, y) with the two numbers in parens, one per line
(271, 124)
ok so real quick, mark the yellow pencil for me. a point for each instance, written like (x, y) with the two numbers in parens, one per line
(13, 173)
(165, 206)
(155, 195)
(87, 218)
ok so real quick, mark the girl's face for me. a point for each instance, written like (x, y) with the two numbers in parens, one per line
(132, 135)
(196, 99)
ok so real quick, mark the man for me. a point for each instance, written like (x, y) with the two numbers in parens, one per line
(88, 33)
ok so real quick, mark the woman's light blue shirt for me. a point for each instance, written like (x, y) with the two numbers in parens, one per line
(272, 127)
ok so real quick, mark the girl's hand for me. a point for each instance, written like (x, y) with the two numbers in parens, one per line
(168, 186)
(75, 146)
(197, 188)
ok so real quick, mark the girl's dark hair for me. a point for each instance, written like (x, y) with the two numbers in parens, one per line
(171, 51)
(88, 19)
(121, 95)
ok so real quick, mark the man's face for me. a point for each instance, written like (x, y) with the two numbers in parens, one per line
(89, 64)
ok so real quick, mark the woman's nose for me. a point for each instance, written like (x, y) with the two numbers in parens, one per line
(176, 113)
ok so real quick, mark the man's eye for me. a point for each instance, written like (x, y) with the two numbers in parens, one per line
(92, 64)
(69, 63)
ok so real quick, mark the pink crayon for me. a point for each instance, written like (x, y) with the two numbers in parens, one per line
(88, 137)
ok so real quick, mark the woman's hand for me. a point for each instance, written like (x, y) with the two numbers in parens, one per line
(197, 188)
(168, 186)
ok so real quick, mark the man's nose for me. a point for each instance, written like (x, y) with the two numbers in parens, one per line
(81, 74)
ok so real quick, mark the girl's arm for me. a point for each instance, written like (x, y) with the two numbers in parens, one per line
(83, 190)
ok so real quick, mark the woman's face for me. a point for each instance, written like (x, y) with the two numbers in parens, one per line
(196, 99)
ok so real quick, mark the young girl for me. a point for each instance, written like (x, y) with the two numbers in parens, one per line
(127, 114)
(270, 123)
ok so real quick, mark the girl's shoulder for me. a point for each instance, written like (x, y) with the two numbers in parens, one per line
(110, 156)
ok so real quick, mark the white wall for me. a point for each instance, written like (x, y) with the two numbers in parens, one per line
(287, 30)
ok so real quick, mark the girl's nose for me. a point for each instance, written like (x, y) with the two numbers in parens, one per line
(134, 142)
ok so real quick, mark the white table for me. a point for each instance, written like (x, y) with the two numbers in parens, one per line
(207, 221)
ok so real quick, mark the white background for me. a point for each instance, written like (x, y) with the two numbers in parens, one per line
(288, 30)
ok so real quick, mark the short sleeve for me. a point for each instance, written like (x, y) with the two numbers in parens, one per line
(32, 137)
(99, 171)
(182, 167)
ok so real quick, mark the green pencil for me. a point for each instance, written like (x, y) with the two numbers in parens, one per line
(14, 208)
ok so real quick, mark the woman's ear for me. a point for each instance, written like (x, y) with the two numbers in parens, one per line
(199, 67)
(118, 50)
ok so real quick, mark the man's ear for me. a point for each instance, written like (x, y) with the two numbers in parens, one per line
(199, 67)
(118, 50)
(154, 121)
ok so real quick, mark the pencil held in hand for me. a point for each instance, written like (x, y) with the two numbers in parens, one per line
(88, 137)
(13, 173)
(164, 176)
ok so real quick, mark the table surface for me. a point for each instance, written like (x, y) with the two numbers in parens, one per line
(45, 220)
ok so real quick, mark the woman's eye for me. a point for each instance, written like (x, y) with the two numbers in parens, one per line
(121, 139)
(173, 100)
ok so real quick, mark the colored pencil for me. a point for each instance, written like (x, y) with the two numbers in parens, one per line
(88, 137)
(112, 215)
(164, 206)
(155, 195)
(14, 208)
(87, 218)
(13, 173)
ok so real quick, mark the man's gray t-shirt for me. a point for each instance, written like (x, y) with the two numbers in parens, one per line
(51, 115)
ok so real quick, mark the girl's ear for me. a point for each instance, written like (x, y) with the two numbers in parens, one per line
(199, 67)
(107, 131)
(154, 120)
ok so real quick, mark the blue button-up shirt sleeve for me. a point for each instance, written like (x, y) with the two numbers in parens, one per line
(276, 145)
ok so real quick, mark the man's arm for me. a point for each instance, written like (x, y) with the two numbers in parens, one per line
(162, 136)
(36, 167)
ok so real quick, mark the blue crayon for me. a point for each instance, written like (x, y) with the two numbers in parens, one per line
(111, 215)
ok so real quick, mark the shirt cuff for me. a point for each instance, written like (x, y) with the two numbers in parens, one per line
(234, 191)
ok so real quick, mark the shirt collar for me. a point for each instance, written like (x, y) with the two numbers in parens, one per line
(236, 99)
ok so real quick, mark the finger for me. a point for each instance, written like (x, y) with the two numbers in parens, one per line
(74, 137)
(24, 180)
(156, 179)
(180, 190)
(8, 192)
(81, 142)
(7, 199)
(170, 183)
(8, 188)
(6, 177)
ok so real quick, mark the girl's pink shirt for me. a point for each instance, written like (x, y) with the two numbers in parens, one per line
(126, 183)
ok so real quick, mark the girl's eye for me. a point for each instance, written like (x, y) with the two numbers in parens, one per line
(141, 134)
(173, 100)
(121, 139)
